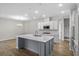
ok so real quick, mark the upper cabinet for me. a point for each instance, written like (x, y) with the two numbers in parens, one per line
(51, 25)
(55, 25)
(40, 25)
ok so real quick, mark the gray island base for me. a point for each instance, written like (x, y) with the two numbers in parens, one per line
(42, 45)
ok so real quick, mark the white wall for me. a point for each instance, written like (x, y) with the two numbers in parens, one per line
(31, 26)
(9, 29)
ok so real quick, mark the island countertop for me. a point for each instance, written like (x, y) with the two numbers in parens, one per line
(42, 38)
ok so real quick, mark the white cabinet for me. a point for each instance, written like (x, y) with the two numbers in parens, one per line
(40, 25)
(45, 23)
(53, 25)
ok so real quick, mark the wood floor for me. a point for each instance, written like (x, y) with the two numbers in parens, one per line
(62, 49)
(8, 48)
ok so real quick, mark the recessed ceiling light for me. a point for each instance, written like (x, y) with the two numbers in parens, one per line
(43, 15)
(60, 5)
(62, 12)
(36, 12)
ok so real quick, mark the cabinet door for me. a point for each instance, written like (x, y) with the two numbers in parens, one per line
(55, 25)
(40, 25)
(51, 25)
(45, 23)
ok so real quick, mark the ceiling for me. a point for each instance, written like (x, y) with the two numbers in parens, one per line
(28, 9)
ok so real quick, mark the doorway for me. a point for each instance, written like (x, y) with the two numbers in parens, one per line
(66, 29)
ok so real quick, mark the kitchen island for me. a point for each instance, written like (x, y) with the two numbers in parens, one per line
(40, 44)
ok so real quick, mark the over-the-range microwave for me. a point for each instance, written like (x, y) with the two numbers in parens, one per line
(46, 27)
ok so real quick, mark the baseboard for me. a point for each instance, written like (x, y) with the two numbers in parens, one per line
(7, 39)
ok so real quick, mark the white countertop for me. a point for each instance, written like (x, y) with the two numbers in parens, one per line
(42, 38)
